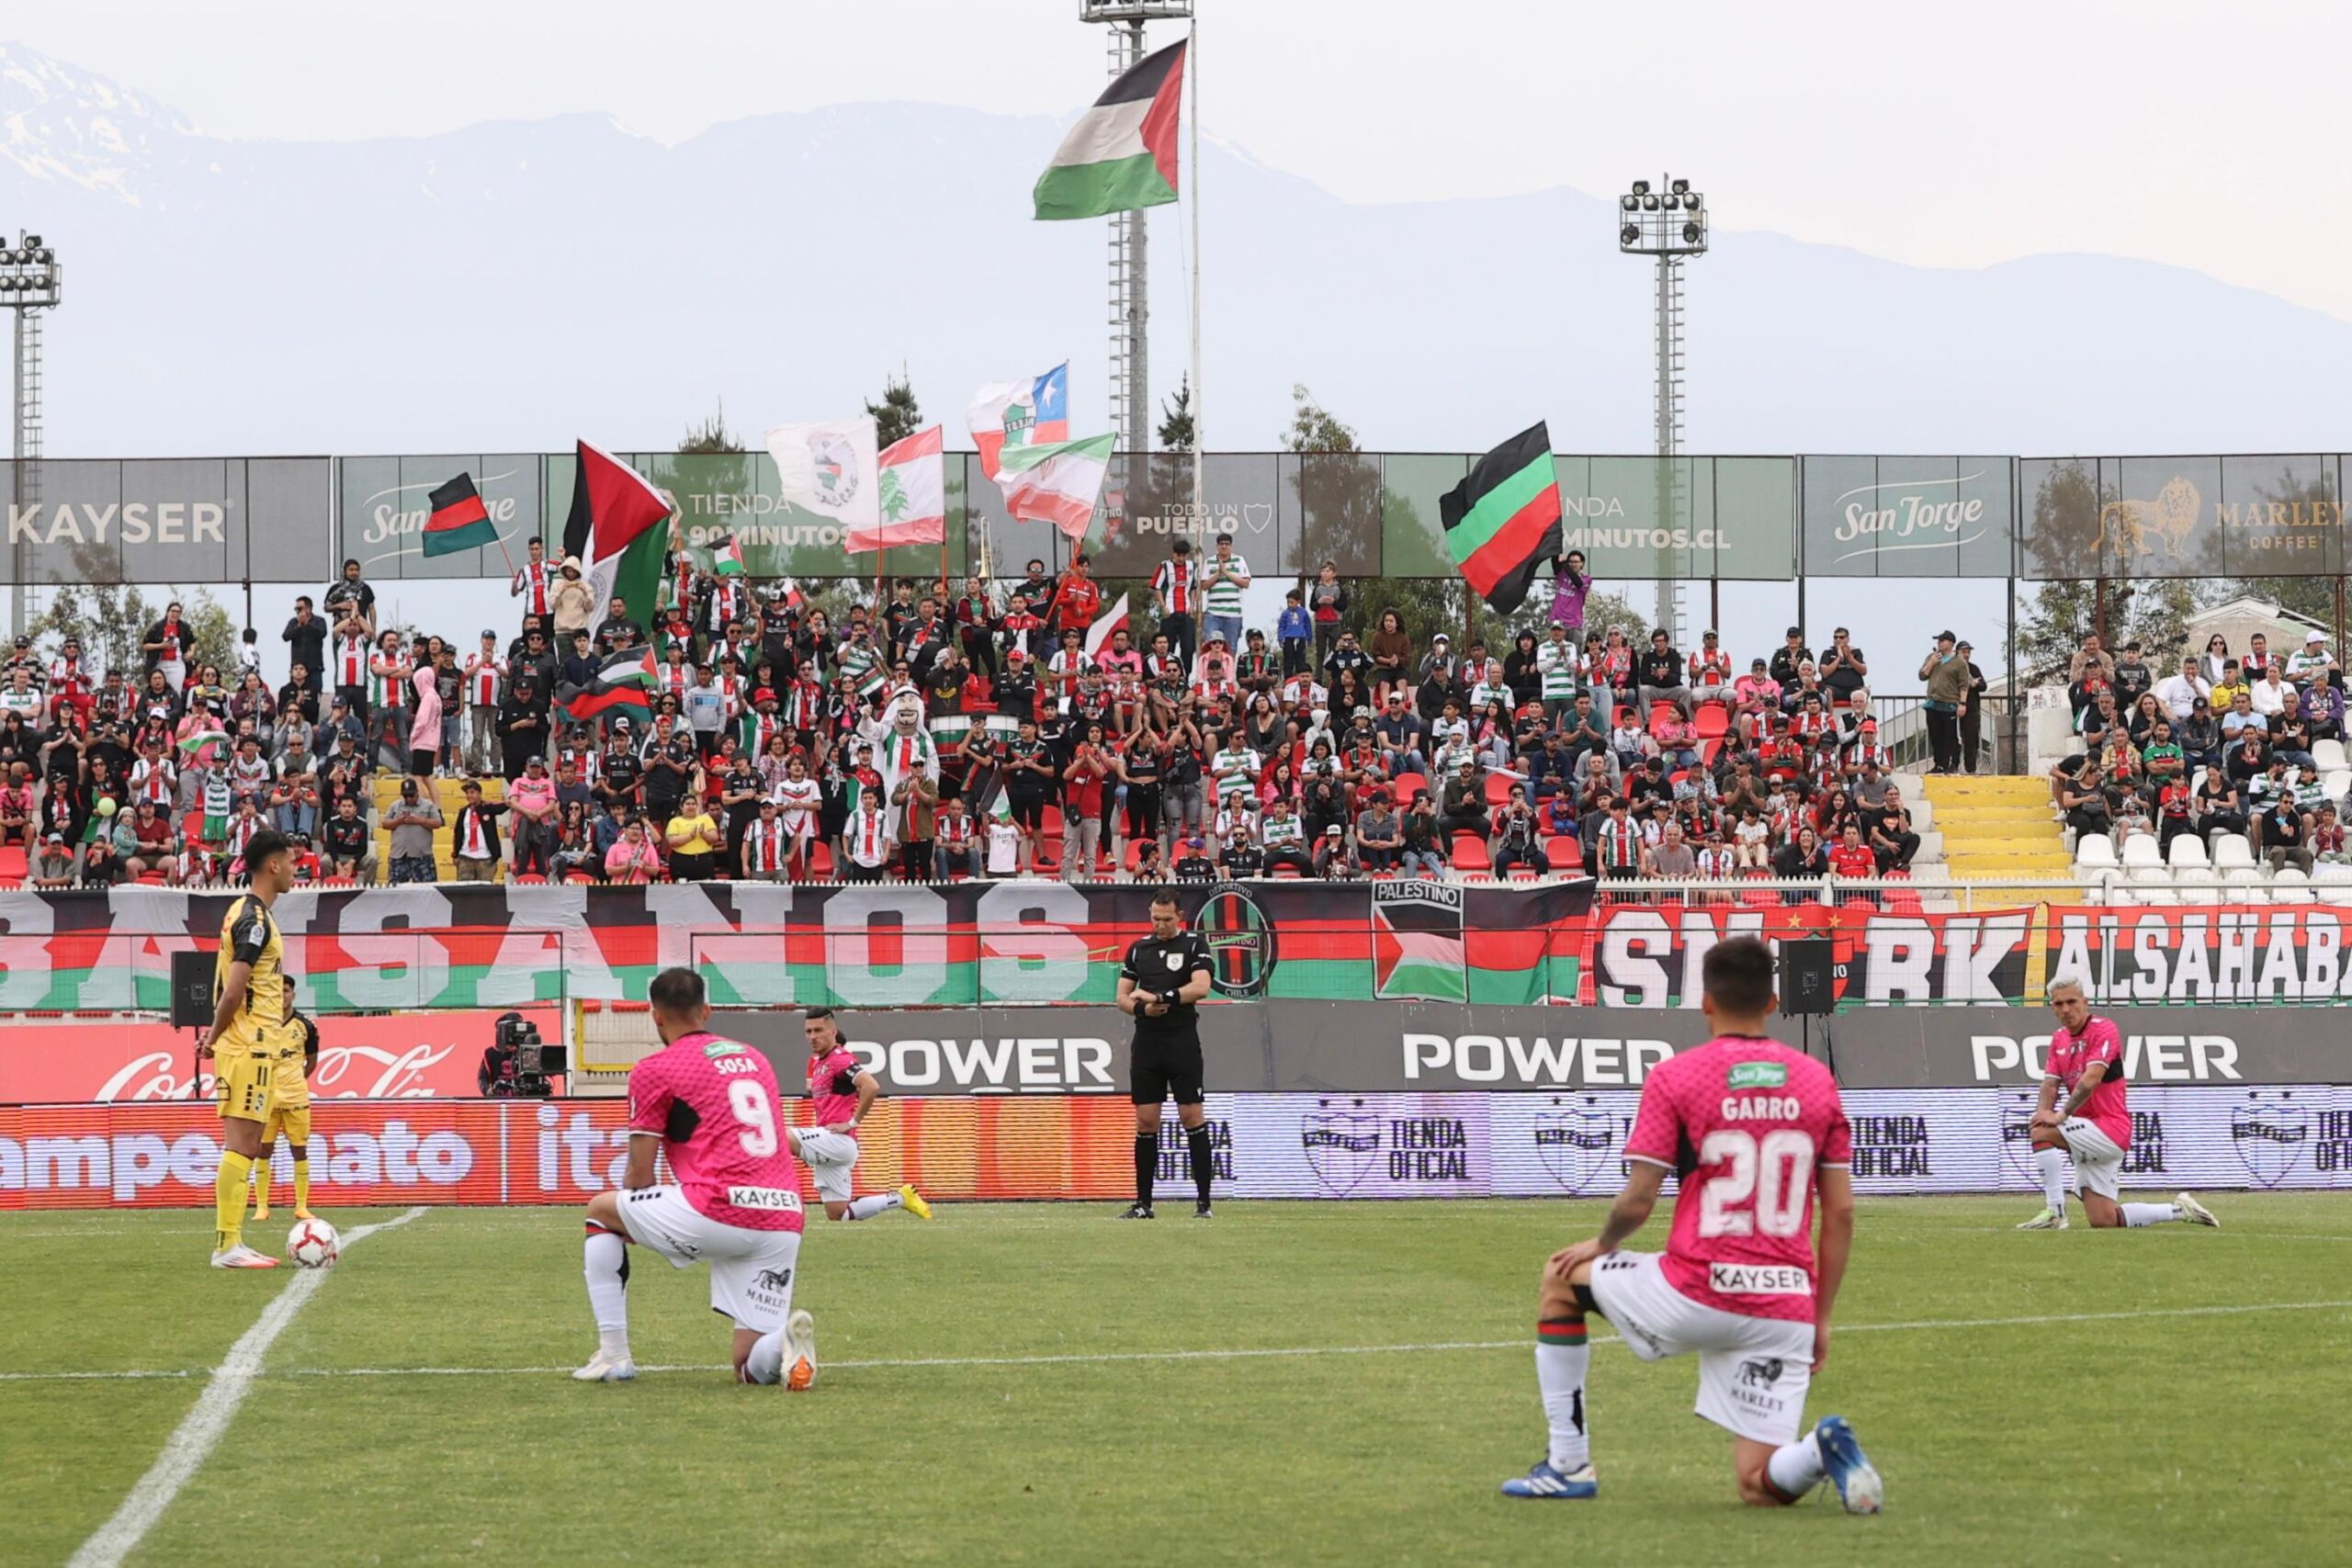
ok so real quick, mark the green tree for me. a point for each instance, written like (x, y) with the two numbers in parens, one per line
(898, 415)
(1176, 433)
(711, 436)
(111, 619)
(2152, 612)
(2311, 593)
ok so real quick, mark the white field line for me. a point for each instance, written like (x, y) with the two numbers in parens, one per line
(1108, 1358)
(200, 1430)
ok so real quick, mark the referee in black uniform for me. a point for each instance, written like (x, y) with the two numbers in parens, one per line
(1161, 986)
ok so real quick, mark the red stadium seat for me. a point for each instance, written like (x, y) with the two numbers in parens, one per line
(1660, 711)
(1565, 851)
(1470, 852)
(1498, 788)
(1715, 721)
(12, 863)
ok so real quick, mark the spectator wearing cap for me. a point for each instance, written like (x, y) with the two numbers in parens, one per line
(572, 603)
(54, 865)
(1946, 674)
(532, 799)
(1791, 656)
(412, 819)
(522, 710)
(473, 842)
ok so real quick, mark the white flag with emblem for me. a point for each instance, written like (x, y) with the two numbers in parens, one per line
(829, 469)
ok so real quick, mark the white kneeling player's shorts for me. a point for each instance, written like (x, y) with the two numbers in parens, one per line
(1753, 1372)
(751, 1272)
(2098, 1162)
(831, 1158)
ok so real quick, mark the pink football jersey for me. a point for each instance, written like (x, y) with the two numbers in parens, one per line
(1746, 1123)
(2071, 1056)
(829, 1102)
(714, 1103)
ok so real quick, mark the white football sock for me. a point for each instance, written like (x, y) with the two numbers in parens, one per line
(1796, 1468)
(880, 1203)
(2052, 1166)
(765, 1363)
(606, 1265)
(2137, 1214)
(1559, 1374)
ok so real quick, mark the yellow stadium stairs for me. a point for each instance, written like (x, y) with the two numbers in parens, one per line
(1998, 828)
(450, 795)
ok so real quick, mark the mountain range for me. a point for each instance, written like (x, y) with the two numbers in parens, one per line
(511, 284)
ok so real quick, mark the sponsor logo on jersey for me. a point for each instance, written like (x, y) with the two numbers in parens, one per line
(1758, 1279)
(1758, 1074)
(780, 1200)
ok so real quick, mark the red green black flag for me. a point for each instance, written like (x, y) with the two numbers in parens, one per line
(460, 521)
(1504, 519)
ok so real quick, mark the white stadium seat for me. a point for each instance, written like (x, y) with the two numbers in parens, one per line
(2188, 852)
(2095, 849)
(2231, 851)
(2330, 755)
(2290, 886)
(2140, 850)
(2336, 782)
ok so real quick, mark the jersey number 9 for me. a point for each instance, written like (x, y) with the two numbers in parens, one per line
(748, 1098)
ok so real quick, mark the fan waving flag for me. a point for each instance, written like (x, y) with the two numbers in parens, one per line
(913, 495)
(460, 521)
(1504, 518)
(1121, 154)
(1020, 413)
(1107, 625)
(623, 681)
(727, 557)
(1057, 482)
(612, 530)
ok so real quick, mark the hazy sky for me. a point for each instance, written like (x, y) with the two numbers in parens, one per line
(2195, 133)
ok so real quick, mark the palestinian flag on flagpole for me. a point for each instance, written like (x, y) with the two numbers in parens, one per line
(624, 682)
(1504, 518)
(613, 529)
(460, 521)
(1106, 626)
(727, 557)
(1057, 482)
(913, 500)
(1121, 154)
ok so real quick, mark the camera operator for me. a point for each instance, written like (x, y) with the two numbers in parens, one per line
(517, 1066)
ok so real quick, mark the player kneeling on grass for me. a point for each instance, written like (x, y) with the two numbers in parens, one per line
(1751, 1127)
(711, 1105)
(842, 1092)
(2092, 1123)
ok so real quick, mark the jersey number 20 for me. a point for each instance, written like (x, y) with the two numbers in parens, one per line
(748, 1098)
(1764, 1186)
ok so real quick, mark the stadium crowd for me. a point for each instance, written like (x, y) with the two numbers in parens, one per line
(2212, 743)
(986, 729)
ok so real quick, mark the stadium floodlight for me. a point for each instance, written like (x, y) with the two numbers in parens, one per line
(1679, 187)
(1630, 203)
(1641, 188)
(1628, 234)
(30, 282)
(1672, 228)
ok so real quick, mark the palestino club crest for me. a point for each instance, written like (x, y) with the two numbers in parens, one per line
(1342, 1142)
(2271, 1134)
(836, 464)
(1240, 939)
(1573, 1138)
(2017, 1131)
(1257, 515)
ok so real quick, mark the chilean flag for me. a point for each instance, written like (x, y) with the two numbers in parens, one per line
(1021, 414)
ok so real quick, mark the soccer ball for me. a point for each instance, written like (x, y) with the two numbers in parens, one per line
(312, 1244)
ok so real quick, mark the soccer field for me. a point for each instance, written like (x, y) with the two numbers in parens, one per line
(1294, 1383)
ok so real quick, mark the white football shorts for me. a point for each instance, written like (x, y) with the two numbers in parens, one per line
(832, 1159)
(751, 1272)
(2098, 1162)
(1753, 1372)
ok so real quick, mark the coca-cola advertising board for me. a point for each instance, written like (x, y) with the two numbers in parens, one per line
(397, 1057)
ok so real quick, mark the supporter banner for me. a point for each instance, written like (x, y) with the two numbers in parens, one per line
(2252, 954)
(402, 1057)
(1646, 955)
(2198, 516)
(190, 520)
(1908, 516)
(1386, 1047)
(460, 946)
(1265, 1145)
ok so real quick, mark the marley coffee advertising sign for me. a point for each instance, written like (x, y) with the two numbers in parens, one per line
(2211, 516)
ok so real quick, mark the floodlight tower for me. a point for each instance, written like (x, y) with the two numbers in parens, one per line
(31, 279)
(1130, 294)
(1672, 226)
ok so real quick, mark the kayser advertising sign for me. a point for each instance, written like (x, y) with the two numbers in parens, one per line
(1265, 1145)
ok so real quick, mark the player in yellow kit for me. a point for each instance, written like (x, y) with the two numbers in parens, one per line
(289, 1113)
(254, 1035)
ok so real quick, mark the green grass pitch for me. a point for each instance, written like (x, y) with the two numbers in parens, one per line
(2172, 1395)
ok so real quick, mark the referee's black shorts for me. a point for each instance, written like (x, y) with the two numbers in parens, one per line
(1160, 1067)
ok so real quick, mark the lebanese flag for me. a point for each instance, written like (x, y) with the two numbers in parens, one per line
(460, 521)
(913, 500)
(1020, 413)
(1098, 636)
(1056, 482)
(1121, 154)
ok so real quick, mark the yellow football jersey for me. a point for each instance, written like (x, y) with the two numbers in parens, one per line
(250, 936)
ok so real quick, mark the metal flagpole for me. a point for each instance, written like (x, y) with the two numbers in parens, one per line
(1193, 59)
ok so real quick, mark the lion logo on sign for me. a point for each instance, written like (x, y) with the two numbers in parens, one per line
(2142, 525)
